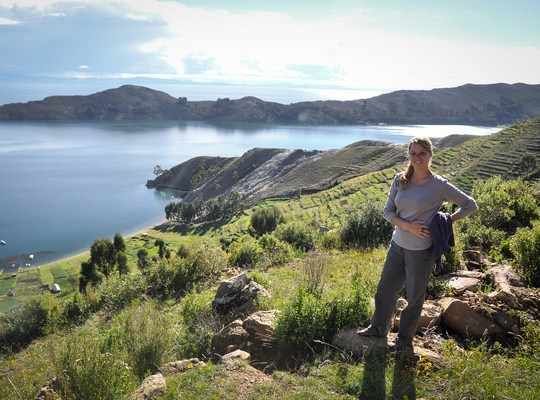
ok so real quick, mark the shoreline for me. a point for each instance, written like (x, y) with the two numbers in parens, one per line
(76, 254)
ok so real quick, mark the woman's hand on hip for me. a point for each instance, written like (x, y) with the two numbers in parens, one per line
(418, 228)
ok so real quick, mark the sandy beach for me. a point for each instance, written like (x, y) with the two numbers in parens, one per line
(16, 263)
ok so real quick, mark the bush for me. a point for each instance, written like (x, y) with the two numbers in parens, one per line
(297, 234)
(525, 245)
(265, 220)
(199, 325)
(204, 259)
(330, 240)
(83, 372)
(176, 275)
(304, 320)
(366, 228)
(19, 328)
(277, 251)
(147, 338)
(504, 205)
(245, 254)
(312, 315)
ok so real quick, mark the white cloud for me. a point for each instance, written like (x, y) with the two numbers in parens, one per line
(354, 50)
(8, 21)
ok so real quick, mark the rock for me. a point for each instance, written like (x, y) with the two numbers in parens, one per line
(429, 318)
(152, 386)
(229, 358)
(503, 276)
(260, 325)
(460, 317)
(177, 367)
(460, 284)
(48, 391)
(237, 295)
(347, 340)
(230, 338)
(255, 334)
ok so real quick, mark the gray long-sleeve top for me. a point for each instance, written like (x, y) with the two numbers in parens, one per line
(421, 203)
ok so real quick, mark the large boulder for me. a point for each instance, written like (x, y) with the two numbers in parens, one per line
(467, 322)
(254, 335)
(237, 296)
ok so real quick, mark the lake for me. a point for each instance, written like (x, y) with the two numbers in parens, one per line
(66, 184)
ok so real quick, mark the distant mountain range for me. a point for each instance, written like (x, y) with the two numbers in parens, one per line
(487, 105)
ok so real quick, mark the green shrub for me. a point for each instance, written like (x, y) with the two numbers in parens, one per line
(176, 275)
(366, 227)
(277, 251)
(265, 220)
(352, 306)
(199, 325)
(313, 315)
(20, 327)
(304, 320)
(83, 372)
(298, 234)
(503, 206)
(245, 254)
(147, 338)
(330, 240)
(525, 245)
(204, 260)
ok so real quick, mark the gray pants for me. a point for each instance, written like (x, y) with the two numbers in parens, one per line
(402, 267)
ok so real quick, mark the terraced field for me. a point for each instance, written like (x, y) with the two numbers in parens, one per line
(511, 153)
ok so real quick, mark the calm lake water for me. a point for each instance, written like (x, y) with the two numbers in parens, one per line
(66, 184)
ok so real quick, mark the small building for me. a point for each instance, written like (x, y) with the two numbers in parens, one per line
(55, 288)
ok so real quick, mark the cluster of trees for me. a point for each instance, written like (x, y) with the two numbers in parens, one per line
(199, 210)
(106, 256)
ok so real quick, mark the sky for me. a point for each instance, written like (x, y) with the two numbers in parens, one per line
(345, 48)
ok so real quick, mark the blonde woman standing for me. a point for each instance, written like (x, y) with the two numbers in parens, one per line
(415, 197)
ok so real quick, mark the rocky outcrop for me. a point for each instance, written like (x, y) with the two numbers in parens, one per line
(237, 296)
(467, 313)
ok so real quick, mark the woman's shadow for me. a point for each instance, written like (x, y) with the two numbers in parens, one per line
(374, 382)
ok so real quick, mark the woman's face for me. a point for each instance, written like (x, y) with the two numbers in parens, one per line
(419, 157)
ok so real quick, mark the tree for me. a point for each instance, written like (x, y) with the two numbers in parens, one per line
(103, 256)
(119, 243)
(158, 170)
(89, 275)
(122, 263)
(161, 244)
(142, 259)
(265, 220)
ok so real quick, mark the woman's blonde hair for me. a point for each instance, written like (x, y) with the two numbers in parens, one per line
(427, 145)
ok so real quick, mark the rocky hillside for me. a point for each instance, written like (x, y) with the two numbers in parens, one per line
(264, 173)
(495, 104)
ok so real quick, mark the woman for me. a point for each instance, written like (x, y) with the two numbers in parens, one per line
(415, 197)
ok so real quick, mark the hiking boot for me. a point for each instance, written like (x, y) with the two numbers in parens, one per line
(369, 332)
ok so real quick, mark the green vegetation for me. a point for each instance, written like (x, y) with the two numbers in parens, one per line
(321, 268)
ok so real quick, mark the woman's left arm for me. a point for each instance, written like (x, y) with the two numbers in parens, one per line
(467, 205)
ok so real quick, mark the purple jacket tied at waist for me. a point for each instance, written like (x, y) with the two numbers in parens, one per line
(442, 236)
